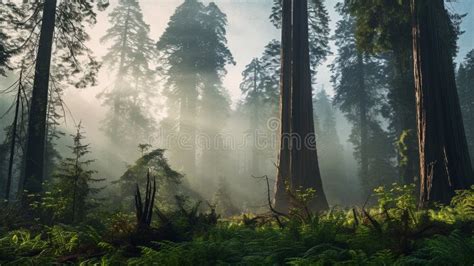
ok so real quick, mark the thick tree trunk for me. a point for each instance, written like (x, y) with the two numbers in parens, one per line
(281, 200)
(364, 128)
(445, 164)
(304, 166)
(39, 102)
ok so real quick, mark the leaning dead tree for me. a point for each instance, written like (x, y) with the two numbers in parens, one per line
(144, 210)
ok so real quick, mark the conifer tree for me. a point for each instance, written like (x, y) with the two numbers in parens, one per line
(179, 49)
(383, 28)
(194, 54)
(131, 54)
(155, 164)
(257, 90)
(214, 106)
(74, 178)
(359, 83)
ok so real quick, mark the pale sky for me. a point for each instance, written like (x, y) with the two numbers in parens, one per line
(248, 31)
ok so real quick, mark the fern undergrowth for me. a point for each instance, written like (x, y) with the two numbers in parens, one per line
(393, 232)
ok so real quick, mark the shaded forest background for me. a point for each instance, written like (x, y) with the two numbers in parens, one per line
(237, 102)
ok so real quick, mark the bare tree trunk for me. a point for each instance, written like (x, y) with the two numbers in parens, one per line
(304, 166)
(445, 165)
(281, 200)
(39, 102)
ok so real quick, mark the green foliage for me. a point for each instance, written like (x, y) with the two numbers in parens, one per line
(454, 249)
(397, 199)
(52, 244)
(383, 235)
(73, 182)
(52, 205)
(155, 163)
(460, 209)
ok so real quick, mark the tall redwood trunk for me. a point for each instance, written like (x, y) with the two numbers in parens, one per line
(445, 165)
(364, 128)
(281, 200)
(35, 148)
(304, 166)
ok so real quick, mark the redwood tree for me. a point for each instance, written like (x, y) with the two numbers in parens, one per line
(445, 165)
(281, 198)
(299, 165)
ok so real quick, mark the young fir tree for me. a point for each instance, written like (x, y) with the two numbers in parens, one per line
(194, 55)
(465, 81)
(331, 150)
(359, 82)
(74, 179)
(130, 54)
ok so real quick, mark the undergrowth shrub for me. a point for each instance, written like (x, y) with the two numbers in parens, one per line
(393, 232)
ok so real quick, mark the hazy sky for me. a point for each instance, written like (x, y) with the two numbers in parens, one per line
(249, 30)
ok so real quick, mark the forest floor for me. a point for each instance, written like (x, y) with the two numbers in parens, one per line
(392, 232)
